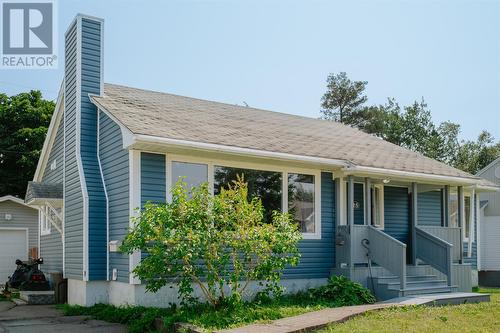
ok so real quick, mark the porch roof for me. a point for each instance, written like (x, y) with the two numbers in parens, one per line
(162, 115)
(38, 193)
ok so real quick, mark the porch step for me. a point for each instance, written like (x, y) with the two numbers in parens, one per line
(389, 286)
(409, 278)
(424, 290)
(416, 284)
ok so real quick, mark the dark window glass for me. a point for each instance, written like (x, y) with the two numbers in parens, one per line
(266, 185)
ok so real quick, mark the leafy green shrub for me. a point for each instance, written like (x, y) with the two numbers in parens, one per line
(343, 291)
(219, 243)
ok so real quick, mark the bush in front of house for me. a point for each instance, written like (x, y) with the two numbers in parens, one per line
(221, 244)
(343, 291)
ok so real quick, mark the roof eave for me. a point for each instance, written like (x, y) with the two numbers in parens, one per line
(233, 150)
(409, 176)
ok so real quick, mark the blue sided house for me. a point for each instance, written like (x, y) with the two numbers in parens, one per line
(112, 148)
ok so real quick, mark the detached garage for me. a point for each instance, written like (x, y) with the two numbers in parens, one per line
(18, 234)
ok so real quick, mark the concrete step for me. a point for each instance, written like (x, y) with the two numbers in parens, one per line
(422, 283)
(423, 290)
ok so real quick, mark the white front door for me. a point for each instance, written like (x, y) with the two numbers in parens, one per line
(12, 246)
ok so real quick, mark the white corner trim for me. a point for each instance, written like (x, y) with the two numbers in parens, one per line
(51, 135)
(477, 207)
(105, 191)
(134, 202)
(78, 156)
(63, 235)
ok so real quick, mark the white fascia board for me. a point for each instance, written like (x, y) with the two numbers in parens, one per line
(16, 200)
(408, 175)
(51, 135)
(211, 147)
(485, 188)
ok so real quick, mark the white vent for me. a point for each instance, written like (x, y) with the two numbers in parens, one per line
(115, 274)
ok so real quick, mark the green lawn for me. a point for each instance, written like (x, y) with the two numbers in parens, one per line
(482, 317)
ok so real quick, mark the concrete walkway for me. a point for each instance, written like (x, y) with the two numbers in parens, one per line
(47, 319)
(310, 321)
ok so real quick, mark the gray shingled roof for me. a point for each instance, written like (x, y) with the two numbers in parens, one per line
(177, 117)
(38, 190)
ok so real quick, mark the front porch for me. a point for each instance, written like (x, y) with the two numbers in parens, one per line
(401, 239)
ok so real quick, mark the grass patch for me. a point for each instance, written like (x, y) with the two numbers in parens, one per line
(338, 292)
(480, 317)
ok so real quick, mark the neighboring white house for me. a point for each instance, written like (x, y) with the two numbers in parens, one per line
(489, 263)
(18, 234)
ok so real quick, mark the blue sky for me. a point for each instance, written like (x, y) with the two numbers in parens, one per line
(276, 55)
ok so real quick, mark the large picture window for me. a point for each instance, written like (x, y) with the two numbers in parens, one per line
(263, 184)
(301, 199)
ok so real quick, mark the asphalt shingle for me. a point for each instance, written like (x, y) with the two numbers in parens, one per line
(184, 118)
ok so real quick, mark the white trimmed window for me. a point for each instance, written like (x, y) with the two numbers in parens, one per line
(44, 221)
(378, 206)
(302, 199)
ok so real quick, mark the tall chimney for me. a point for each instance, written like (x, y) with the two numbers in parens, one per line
(85, 242)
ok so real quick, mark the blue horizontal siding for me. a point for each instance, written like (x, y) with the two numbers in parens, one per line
(397, 213)
(318, 255)
(429, 208)
(73, 200)
(153, 178)
(91, 84)
(115, 167)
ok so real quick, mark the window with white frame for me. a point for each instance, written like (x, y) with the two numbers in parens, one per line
(44, 221)
(377, 198)
(301, 203)
(467, 211)
(302, 199)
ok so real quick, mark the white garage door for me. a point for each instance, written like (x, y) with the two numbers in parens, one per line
(12, 247)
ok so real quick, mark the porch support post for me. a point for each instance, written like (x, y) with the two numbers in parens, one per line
(446, 206)
(368, 201)
(461, 216)
(350, 219)
(414, 222)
